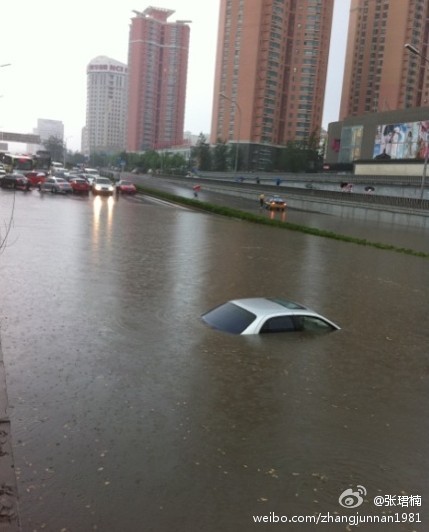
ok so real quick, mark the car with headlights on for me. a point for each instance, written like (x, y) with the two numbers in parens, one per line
(15, 181)
(275, 203)
(260, 315)
(125, 187)
(102, 186)
(80, 185)
(56, 185)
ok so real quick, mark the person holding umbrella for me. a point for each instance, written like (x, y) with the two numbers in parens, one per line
(196, 189)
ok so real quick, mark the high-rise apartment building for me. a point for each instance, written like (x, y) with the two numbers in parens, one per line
(158, 65)
(380, 73)
(106, 106)
(271, 68)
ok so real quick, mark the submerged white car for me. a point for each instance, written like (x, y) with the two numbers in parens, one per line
(259, 315)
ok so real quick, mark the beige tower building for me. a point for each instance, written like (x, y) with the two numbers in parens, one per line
(380, 73)
(270, 77)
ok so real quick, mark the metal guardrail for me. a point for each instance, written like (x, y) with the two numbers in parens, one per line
(368, 198)
(250, 177)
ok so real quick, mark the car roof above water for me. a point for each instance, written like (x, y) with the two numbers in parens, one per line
(265, 305)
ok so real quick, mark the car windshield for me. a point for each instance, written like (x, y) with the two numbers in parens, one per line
(229, 318)
(60, 180)
(102, 181)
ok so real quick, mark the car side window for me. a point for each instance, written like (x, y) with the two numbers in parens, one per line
(311, 323)
(278, 324)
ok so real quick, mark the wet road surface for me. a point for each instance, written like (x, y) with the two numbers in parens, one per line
(129, 414)
(398, 235)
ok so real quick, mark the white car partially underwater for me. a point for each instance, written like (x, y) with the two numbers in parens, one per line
(260, 315)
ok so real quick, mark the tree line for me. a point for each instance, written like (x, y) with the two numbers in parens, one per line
(295, 156)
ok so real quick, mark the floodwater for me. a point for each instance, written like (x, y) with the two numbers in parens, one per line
(129, 414)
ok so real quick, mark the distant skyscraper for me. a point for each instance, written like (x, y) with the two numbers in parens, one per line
(46, 128)
(50, 128)
(380, 74)
(271, 67)
(106, 105)
(158, 64)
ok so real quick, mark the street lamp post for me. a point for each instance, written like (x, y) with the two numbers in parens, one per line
(234, 102)
(413, 50)
(65, 149)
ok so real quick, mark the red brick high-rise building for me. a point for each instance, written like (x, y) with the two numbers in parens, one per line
(271, 68)
(380, 73)
(157, 67)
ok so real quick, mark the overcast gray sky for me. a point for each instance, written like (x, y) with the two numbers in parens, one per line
(49, 44)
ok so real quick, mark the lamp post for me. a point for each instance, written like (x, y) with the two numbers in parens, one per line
(234, 102)
(65, 149)
(413, 50)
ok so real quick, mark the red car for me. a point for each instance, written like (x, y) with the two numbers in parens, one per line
(80, 185)
(126, 187)
(35, 178)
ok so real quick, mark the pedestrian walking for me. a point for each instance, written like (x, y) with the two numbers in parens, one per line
(261, 200)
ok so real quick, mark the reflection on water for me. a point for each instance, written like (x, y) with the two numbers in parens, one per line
(277, 215)
(127, 409)
(102, 218)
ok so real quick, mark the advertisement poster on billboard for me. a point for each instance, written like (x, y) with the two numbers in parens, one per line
(401, 141)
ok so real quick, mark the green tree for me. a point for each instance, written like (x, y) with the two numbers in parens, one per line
(56, 148)
(220, 156)
(75, 158)
(201, 153)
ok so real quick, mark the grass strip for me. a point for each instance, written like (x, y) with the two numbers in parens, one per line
(255, 218)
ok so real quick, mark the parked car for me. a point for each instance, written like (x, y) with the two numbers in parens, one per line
(56, 185)
(15, 181)
(275, 203)
(36, 178)
(266, 315)
(125, 187)
(80, 185)
(102, 185)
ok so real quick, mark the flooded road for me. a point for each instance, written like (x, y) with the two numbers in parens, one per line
(129, 414)
(358, 226)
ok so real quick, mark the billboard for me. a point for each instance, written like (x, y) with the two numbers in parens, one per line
(407, 140)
